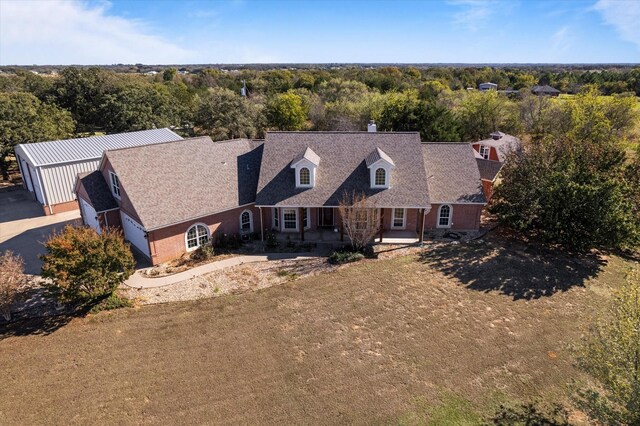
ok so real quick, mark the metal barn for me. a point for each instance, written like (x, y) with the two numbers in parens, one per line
(49, 169)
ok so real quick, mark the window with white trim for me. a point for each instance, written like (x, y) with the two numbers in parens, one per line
(381, 177)
(444, 216)
(399, 216)
(276, 218)
(115, 185)
(484, 151)
(197, 235)
(290, 219)
(305, 176)
(246, 221)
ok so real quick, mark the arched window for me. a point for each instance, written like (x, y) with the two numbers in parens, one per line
(381, 177)
(196, 236)
(246, 221)
(305, 176)
(444, 216)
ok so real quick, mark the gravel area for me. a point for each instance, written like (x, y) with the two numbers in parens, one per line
(234, 280)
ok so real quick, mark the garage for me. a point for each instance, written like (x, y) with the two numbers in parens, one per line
(135, 234)
(89, 216)
(49, 169)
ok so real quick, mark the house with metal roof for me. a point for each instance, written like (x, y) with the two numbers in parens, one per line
(291, 184)
(49, 169)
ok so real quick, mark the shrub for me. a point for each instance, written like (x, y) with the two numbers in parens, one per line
(531, 414)
(113, 301)
(272, 242)
(11, 279)
(225, 241)
(338, 257)
(204, 252)
(84, 266)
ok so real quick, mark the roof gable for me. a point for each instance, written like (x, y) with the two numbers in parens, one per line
(183, 180)
(308, 155)
(343, 168)
(452, 173)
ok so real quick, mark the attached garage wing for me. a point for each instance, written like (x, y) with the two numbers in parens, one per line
(135, 234)
(89, 216)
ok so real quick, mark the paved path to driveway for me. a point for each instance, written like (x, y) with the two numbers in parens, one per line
(24, 227)
(138, 281)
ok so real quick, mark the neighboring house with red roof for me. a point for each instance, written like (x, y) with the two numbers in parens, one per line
(171, 198)
(491, 154)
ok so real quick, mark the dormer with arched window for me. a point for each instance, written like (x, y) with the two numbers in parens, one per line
(306, 165)
(380, 166)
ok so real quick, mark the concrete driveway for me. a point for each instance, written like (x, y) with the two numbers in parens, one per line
(24, 227)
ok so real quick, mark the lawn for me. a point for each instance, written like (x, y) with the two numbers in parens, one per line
(444, 336)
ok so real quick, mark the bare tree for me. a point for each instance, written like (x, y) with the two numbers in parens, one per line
(12, 278)
(359, 219)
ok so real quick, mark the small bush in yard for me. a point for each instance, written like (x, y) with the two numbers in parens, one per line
(113, 301)
(12, 277)
(203, 252)
(338, 257)
(85, 266)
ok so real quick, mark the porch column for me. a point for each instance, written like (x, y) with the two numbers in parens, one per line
(421, 225)
(381, 223)
(301, 222)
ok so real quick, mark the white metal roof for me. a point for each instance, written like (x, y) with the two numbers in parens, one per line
(91, 148)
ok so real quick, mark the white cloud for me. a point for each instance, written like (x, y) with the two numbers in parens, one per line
(71, 32)
(561, 40)
(624, 15)
(474, 13)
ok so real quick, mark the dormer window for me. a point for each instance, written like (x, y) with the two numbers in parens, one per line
(306, 165)
(305, 176)
(380, 166)
(381, 177)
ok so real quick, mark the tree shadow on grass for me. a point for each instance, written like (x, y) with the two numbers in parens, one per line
(513, 269)
(47, 322)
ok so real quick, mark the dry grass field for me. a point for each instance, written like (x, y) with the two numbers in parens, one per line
(440, 338)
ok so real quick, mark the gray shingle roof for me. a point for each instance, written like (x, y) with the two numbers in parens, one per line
(452, 173)
(488, 169)
(343, 169)
(544, 89)
(504, 146)
(67, 150)
(96, 187)
(309, 155)
(178, 181)
(376, 155)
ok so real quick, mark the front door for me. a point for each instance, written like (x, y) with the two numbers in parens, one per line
(326, 216)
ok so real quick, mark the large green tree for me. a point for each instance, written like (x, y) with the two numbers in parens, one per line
(287, 111)
(611, 354)
(571, 192)
(481, 113)
(24, 119)
(137, 107)
(223, 114)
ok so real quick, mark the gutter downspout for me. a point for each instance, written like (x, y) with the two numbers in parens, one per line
(424, 214)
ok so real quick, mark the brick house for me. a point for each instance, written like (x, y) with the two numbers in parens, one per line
(491, 154)
(170, 198)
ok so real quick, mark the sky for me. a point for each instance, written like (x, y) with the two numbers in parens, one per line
(101, 32)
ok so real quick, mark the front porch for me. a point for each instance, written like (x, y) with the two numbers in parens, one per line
(324, 225)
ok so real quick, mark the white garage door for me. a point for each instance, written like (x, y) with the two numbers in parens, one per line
(135, 233)
(90, 216)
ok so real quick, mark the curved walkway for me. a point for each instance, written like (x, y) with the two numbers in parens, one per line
(138, 281)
